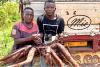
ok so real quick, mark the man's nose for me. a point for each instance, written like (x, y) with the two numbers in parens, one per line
(29, 16)
(49, 8)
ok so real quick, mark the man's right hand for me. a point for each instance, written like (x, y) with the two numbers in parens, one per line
(37, 38)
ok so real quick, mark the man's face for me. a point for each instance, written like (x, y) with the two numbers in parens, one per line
(49, 8)
(28, 15)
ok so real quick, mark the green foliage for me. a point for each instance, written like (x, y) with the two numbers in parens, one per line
(9, 13)
(3, 1)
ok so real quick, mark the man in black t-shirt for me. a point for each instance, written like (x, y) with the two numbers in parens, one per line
(50, 24)
(49, 27)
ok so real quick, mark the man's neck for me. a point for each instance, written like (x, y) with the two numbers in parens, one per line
(51, 17)
(28, 25)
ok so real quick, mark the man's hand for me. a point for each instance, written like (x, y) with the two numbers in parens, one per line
(37, 38)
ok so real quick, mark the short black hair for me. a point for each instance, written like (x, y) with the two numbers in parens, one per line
(29, 8)
(50, 1)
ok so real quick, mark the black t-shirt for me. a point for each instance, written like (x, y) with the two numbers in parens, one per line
(50, 27)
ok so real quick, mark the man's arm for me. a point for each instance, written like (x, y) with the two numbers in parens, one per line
(61, 27)
(16, 35)
(35, 38)
(23, 40)
(40, 24)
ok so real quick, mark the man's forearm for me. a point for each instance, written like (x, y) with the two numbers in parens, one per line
(22, 40)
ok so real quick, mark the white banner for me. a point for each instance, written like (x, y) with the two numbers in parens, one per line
(80, 17)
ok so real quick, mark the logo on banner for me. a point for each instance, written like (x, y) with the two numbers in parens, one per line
(79, 22)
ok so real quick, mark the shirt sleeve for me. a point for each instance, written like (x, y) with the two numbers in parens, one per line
(15, 33)
(40, 24)
(61, 26)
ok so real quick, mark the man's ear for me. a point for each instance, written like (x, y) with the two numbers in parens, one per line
(44, 8)
(55, 8)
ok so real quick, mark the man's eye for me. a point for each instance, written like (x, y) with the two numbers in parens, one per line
(50, 7)
(29, 14)
(26, 14)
